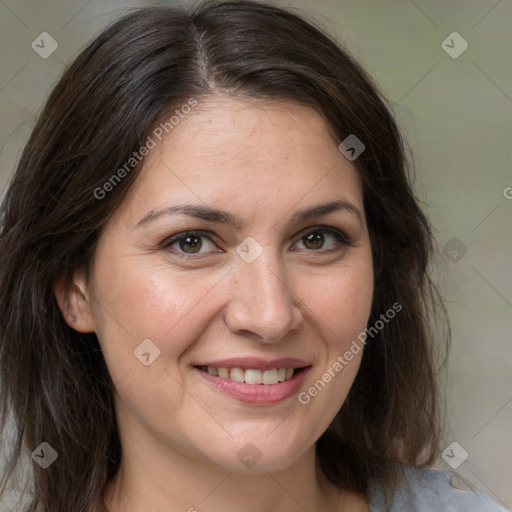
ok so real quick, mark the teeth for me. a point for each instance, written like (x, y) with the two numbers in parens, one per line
(223, 372)
(250, 376)
(270, 376)
(237, 374)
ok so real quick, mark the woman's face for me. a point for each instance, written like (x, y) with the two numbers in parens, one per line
(270, 278)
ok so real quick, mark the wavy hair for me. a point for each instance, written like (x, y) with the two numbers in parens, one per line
(54, 381)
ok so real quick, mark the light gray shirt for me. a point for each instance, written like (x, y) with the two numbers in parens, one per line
(426, 490)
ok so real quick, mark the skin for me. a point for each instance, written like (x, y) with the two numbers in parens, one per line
(262, 162)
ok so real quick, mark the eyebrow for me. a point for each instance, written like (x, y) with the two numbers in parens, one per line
(221, 216)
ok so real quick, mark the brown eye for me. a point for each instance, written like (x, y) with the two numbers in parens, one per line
(190, 242)
(313, 240)
(323, 238)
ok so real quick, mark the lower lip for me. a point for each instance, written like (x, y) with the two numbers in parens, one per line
(261, 394)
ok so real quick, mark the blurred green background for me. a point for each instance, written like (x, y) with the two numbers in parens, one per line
(454, 105)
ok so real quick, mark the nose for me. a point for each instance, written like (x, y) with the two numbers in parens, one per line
(262, 304)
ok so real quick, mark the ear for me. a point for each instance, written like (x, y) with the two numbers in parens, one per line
(74, 302)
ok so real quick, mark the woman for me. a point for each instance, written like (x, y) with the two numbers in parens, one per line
(214, 280)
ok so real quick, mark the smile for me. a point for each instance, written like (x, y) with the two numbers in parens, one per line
(251, 376)
(252, 385)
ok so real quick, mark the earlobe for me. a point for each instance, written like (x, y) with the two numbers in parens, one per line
(74, 302)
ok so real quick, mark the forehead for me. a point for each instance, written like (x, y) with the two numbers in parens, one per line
(225, 149)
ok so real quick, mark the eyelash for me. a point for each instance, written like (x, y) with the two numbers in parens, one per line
(337, 234)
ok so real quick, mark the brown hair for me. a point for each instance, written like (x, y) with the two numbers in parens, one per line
(54, 380)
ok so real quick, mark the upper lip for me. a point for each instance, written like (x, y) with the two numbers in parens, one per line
(256, 363)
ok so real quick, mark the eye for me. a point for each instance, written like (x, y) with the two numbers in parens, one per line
(190, 242)
(317, 238)
(200, 242)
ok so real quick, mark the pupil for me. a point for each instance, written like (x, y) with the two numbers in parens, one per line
(193, 242)
(314, 240)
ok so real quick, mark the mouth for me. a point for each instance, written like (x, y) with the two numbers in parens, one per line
(252, 376)
(257, 383)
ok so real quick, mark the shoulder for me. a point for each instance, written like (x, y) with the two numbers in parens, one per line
(425, 490)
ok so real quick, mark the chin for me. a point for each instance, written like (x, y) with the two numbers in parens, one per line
(257, 456)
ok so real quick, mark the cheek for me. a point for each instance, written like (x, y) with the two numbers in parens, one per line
(134, 301)
(341, 301)
(340, 307)
(341, 313)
